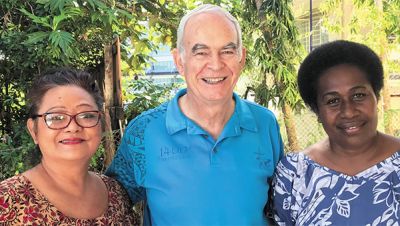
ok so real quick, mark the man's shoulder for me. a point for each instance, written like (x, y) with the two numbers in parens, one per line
(154, 112)
(148, 116)
(258, 109)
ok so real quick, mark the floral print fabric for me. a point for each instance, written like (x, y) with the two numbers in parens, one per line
(306, 193)
(22, 204)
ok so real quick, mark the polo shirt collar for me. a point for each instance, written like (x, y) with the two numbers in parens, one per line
(176, 120)
(244, 114)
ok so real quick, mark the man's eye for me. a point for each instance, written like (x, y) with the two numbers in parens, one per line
(200, 53)
(228, 52)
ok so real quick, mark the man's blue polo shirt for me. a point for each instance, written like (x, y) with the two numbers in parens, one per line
(187, 177)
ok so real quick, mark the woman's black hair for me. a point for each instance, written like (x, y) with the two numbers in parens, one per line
(62, 77)
(333, 54)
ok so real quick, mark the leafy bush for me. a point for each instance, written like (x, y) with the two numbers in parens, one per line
(97, 161)
(17, 153)
(144, 94)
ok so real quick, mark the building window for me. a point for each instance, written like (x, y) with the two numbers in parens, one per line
(319, 33)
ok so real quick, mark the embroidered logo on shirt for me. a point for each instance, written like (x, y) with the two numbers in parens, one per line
(173, 153)
(263, 161)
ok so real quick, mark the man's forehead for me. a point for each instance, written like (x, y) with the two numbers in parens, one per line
(205, 15)
(208, 39)
(201, 23)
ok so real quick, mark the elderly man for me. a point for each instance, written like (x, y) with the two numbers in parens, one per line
(205, 157)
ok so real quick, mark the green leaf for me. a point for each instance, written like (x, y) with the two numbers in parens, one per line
(36, 37)
(43, 2)
(57, 20)
(63, 40)
(44, 21)
(73, 12)
(57, 5)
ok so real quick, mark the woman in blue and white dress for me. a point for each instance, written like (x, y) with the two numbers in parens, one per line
(353, 176)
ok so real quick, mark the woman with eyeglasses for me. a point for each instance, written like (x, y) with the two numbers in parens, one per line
(65, 112)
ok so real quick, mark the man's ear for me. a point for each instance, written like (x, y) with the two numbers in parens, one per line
(32, 128)
(243, 59)
(178, 61)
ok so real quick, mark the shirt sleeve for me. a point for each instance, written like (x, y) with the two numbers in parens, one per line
(280, 142)
(11, 203)
(128, 165)
(276, 141)
(6, 213)
(282, 195)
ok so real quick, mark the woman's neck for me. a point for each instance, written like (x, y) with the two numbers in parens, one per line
(70, 179)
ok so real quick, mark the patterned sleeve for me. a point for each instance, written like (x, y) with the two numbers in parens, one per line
(283, 195)
(6, 211)
(13, 201)
(128, 165)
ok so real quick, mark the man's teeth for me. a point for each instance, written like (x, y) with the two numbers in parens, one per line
(213, 80)
(70, 141)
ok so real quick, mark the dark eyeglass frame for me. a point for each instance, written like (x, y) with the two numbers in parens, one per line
(70, 119)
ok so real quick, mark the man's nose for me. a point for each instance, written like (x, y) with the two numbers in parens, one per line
(215, 62)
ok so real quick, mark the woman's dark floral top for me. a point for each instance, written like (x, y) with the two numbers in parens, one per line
(22, 204)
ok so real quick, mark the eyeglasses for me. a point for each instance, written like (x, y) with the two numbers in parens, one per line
(85, 119)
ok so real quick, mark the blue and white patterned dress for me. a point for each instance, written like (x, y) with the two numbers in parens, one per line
(306, 193)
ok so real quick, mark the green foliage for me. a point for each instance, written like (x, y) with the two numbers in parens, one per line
(16, 153)
(39, 34)
(97, 160)
(144, 94)
(273, 53)
(378, 29)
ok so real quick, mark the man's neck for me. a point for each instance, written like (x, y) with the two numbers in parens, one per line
(212, 117)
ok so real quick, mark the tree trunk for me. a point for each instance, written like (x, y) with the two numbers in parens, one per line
(258, 5)
(388, 117)
(109, 144)
(118, 116)
(290, 128)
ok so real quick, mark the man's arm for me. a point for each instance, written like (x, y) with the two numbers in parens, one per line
(128, 165)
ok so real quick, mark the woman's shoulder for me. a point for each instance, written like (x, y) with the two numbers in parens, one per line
(111, 183)
(293, 163)
(298, 163)
(119, 207)
(301, 156)
(391, 143)
(11, 185)
(115, 189)
(17, 197)
(316, 148)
